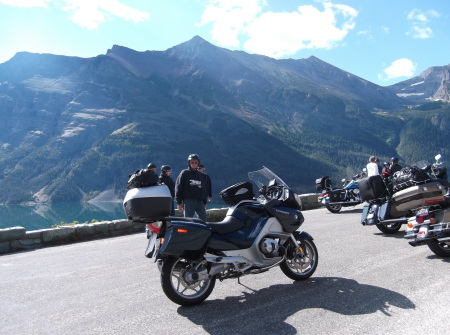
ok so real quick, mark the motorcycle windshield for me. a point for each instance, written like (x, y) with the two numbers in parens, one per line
(264, 177)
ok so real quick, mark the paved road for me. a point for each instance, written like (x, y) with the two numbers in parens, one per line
(366, 283)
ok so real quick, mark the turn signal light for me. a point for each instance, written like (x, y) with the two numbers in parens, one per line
(410, 225)
(179, 230)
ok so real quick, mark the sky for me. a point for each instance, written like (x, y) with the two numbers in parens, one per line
(382, 41)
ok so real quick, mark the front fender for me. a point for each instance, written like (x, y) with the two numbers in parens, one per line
(303, 235)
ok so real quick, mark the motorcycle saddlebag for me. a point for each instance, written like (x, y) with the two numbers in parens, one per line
(187, 240)
(234, 194)
(148, 203)
(336, 195)
(372, 188)
(323, 183)
(418, 196)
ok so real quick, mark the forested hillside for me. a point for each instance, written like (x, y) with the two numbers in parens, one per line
(72, 129)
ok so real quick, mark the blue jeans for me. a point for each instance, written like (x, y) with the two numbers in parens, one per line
(194, 206)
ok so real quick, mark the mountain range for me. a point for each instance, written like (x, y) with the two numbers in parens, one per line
(73, 129)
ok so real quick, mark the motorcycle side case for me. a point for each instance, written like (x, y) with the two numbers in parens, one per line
(148, 203)
(187, 240)
(418, 196)
(372, 188)
(336, 195)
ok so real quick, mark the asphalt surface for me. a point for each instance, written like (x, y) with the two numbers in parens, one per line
(366, 283)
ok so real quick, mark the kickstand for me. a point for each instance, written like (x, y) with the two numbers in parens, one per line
(239, 282)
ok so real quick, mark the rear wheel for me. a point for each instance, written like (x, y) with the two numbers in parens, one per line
(441, 249)
(179, 285)
(296, 266)
(334, 208)
(389, 228)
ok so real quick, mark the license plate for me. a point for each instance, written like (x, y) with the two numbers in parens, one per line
(370, 216)
(422, 211)
(423, 231)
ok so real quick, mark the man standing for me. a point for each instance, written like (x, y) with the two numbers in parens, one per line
(167, 180)
(190, 190)
(372, 167)
(395, 167)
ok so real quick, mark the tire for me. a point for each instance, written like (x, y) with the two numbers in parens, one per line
(389, 229)
(441, 249)
(297, 267)
(334, 208)
(176, 287)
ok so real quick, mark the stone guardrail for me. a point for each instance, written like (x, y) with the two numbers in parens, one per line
(18, 239)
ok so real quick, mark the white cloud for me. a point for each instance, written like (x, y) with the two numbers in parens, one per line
(402, 67)
(420, 19)
(25, 3)
(229, 18)
(278, 34)
(87, 13)
(91, 13)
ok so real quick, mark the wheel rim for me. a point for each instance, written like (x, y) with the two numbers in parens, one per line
(394, 226)
(299, 264)
(182, 286)
(444, 246)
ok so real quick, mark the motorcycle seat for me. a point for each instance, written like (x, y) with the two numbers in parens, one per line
(227, 225)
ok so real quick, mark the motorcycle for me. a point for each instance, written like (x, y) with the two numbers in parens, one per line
(255, 236)
(391, 202)
(336, 198)
(431, 225)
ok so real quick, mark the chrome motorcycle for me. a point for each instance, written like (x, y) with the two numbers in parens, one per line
(256, 235)
(431, 224)
(397, 202)
(336, 198)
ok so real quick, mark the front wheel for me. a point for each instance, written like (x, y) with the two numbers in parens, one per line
(179, 285)
(297, 266)
(441, 249)
(334, 208)
(389, 228)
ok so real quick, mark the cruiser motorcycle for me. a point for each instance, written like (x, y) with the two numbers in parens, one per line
(336, 198)
(255, 236)
(409, 191)
(431, 225)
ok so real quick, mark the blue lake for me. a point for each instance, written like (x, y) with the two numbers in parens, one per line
(44, 216)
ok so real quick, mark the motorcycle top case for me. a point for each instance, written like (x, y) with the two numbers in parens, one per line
(187, 240)
(148, 203)
(234, 194)
(323, 183)
(419, 196)
(372, 188)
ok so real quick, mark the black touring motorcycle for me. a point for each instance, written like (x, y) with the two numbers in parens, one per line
(335, 198)
(408, 193)
(256, 235)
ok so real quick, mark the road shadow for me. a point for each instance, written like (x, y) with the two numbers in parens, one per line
(346, 211)
(265, 311)
(398, 235)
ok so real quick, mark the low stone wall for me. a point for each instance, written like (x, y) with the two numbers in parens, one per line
(18, 239)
